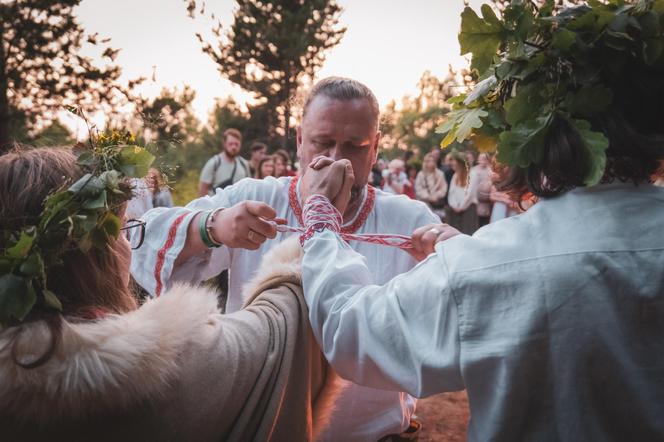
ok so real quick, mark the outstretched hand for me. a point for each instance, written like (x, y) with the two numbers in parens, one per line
(426, 237)
(332, 179)
(246, 225)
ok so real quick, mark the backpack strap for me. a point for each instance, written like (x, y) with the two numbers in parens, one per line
(217, 163)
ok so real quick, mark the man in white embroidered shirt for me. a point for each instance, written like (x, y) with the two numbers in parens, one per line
(340, 121)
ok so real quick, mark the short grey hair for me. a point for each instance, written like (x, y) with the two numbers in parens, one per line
(344, 89)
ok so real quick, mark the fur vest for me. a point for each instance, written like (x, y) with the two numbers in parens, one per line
(175, 369)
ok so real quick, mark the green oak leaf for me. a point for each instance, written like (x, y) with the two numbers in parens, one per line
(16, 298)
(87, 158)
(88, 186)
(33, 265)
(472, 119)
(522, 145)
(460, 124)
(449, 124)
(520, 107)
(98, 202)
(448, 139)
(135, 161)
(596, 144)
(563, 39)
(52, 300)
(547, 8)
(458, 99)
(584, 21)
(22, 246)
(480, 36)
(111, 225)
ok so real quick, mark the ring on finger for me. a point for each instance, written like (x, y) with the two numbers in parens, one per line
(251, 235)
(435, 231)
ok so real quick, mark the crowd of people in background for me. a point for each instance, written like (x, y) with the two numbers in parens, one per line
(456, 186)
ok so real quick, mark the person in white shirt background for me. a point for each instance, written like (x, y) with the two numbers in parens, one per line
(395, 177)
(430, 184)
(141, 201)
(340, 121)
(481, 174)
(461, 210)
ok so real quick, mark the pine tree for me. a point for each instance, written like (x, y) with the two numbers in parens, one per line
(271, 48)
(41, 69)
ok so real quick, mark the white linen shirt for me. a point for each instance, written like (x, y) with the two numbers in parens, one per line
(361, 413)
(460, 198)
(553, 320)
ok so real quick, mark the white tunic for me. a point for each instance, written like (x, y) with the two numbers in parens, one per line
(461, 197)
(553, 320)
(362, 414)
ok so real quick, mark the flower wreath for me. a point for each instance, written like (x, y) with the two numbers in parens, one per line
(80, 215)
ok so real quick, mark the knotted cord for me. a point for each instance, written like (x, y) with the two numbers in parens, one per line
(319, 214)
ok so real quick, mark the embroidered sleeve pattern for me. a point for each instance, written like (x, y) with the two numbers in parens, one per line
(319, 214)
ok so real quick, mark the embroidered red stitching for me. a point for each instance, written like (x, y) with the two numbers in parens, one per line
(359, 221)
(161, 255)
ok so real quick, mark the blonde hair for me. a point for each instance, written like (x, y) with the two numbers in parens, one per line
(462, 172)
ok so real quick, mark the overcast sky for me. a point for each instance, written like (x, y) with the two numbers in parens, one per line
(388, 44)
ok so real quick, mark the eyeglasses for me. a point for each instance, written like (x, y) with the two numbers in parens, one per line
(134, 231)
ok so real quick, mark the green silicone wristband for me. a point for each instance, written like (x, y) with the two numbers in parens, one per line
(202, 230)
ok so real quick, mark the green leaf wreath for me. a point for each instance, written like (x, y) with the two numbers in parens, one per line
(81, 214)
(538, 64)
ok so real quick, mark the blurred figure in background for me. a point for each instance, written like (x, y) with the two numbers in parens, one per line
(411, 172)
(141, 200)
(461, 210)
(430, 185)
(161, 194)
(447, 168)
(376, 174)
(471, 159)
(394, 177)
(265, 167)
(481, 174)
(225, 168)
(435, 152)
(282, 164)
(256, 153)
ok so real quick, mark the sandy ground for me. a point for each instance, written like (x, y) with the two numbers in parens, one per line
(444, 417)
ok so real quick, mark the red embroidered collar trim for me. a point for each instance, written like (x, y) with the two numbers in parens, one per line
(361, 217)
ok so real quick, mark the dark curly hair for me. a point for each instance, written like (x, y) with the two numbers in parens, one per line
(634, 125)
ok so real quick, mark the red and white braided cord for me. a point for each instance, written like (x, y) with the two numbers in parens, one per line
(319, 214)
